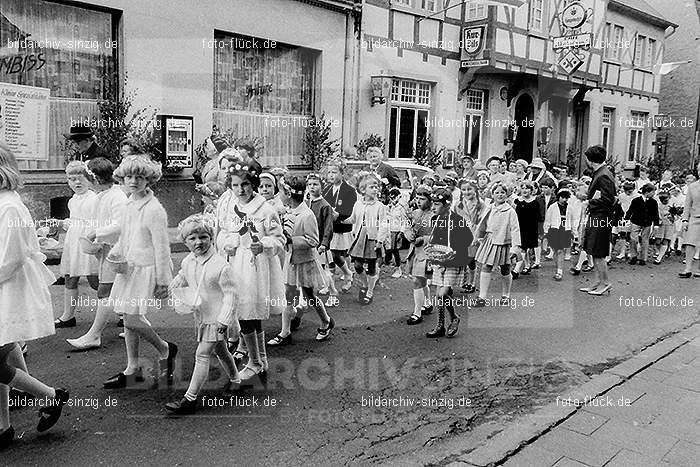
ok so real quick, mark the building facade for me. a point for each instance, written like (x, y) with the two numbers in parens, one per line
(537, 78)
(261, 69)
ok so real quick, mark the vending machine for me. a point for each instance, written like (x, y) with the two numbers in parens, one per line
(177, 140)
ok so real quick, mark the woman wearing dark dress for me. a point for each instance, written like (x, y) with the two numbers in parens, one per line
(527, 207)
(598, 231)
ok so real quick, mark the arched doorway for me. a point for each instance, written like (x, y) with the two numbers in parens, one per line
(524, 119)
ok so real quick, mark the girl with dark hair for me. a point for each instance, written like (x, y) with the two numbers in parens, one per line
(253, 243)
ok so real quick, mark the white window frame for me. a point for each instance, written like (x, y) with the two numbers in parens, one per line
(407, 3)
(636, 135)
(399, 108)
(606, 133)
(535, 6)
(476, 9)
(429, 5)
(639, 50)
(417, 93)
(618, 33)
(650, 52)
(477, 97)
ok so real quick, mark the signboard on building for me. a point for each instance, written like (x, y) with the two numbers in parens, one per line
(24, 121)
(574, 15)
(473, 63)
(567, 42)
(177, 140)
(473, 39)
(570, 62)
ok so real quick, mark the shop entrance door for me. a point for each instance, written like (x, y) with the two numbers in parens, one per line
(524, 119)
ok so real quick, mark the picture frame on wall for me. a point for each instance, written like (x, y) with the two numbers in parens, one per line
(449, 159)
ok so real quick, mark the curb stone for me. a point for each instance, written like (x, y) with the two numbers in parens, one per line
(508, 442)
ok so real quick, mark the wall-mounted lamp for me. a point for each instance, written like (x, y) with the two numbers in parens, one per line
(381, 87)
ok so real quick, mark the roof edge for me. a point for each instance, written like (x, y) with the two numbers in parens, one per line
(653, 18)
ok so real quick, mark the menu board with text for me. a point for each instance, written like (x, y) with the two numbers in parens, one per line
(24, 121)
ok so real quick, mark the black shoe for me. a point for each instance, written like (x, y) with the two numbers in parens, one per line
(232, 346)
(19, 399)
(120, 323)
(295, 324)
(469, 288)
(633, 261)
(7, 437)
(413, 319)
(59, 323)
(426, 310)
(60, 281)
(479, 303)
(575, 272)
(120, 380)
(515, 275)
(169, 369)
(685, 275)
(232, 388)
(48, 416)
(437, 331)
(182, 407)
(280, 340)
(642, 262)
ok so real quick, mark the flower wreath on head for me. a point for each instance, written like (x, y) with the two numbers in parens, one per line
(291, 190)
(241, 167)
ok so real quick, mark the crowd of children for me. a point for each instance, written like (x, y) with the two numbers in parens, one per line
(270, 243)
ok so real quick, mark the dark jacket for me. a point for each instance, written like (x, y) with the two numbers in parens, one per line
(460, 237)
(386, 171)
(324, 217)
(94, 151)
(643, 212)
(343, 203)
(603, 182)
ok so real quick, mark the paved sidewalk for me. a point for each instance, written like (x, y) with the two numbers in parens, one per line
(651, 419)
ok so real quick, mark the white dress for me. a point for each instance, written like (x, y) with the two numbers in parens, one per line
(26, 312)
(74, 262)
(108, 214)
(259, 278)
(145, 245)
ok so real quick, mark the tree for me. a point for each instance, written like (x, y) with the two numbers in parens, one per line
(368, 141)
(425, 153)
(318, 145)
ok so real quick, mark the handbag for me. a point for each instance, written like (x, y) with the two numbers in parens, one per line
(186, 300)
(440, 254)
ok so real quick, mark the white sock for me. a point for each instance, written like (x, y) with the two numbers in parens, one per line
(538, 255)
(506, 282)
(418, 301)
(371, 282)
(484, 282)
(428, 298)
(559, 271)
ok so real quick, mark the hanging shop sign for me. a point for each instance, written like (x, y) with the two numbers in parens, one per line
(473, 39)
(575, 41)
(574, 15)
(570, 62)
(177, 137)
(24, 121)
(473, 63)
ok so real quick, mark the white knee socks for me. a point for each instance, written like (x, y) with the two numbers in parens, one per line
(418, 301)
(484, 282)
(371, 283)
(506, 282)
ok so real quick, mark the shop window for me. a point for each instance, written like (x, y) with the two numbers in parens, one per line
(268, 80)
(606, 132)
(636, 135)
(64, 48)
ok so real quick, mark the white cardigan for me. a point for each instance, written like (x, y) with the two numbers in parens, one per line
(553, 218)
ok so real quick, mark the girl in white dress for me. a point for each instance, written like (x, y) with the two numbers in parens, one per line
(208, 274)
(143, 266)
(111, 201)
(253, 246)
(74, 261)
(25, 302)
